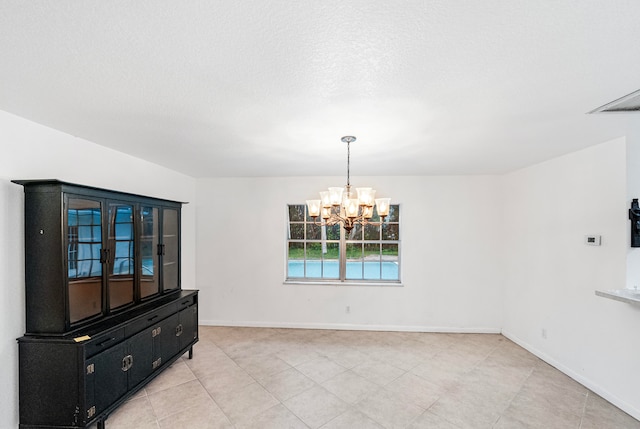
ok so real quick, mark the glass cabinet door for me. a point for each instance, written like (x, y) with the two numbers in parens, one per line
(149, 240)
(84, 258)
(170, 249)
(121, 255)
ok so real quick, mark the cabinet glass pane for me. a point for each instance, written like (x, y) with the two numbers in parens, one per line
(171, 243)
(84, 269)
(121, 260)
(149, 240)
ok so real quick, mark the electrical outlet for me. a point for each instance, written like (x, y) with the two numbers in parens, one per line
(592, 240)
(544, 333)
(348, 309)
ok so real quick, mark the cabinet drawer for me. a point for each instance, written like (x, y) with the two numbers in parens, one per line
(186, 302)
(149, 319)
(104, 341)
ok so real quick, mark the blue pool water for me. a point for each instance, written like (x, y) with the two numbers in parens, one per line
(355, 270)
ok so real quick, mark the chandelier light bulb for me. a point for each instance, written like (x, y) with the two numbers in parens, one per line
(335, 195)
(383, 206)
(314, 207)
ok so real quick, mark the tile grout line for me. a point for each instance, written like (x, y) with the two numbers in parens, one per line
(584, 409)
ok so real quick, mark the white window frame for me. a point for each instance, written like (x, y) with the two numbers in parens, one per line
(342, 243)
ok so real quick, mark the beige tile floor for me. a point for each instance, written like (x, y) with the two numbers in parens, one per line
(295, 378)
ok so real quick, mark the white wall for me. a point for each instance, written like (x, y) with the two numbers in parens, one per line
(480, 253)
(32, 151)
(551, 275)
(451, 260)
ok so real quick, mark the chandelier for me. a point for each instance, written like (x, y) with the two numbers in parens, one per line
(342, 205)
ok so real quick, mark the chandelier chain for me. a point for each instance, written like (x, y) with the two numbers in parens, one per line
(348, 162)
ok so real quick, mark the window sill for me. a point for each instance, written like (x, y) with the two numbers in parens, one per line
(339, 283)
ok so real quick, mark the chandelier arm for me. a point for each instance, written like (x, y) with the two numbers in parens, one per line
(363, 221)
(334, 219)
(348, 223)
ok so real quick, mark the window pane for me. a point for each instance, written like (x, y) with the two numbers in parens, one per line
(391, 232)
(354, 250)
(333, 232)
(313, 264)
(354, 261)
(296, 231)
(296, 213)
(313, 232)
(372, 270)
(356, 233)
(331, 261)
(296, 260)
(394, 213)
(375, 217)
(296, 250)
(390, 252)
(371, 232)
(354, 270)
(314, 251)
(372, 251)
(390, 262)
(372, 265)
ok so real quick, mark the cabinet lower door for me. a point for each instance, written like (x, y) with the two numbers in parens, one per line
(189, 323)
(142, 356)
(167, 343)
(110, 376)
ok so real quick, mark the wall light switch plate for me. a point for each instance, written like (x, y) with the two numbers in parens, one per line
(592, 240)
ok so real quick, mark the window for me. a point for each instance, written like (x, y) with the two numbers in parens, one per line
(367, 254)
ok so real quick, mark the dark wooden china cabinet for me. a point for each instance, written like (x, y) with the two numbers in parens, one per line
(105, 310)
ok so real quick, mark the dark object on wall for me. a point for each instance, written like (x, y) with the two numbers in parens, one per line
(634, 216)
(105, 312)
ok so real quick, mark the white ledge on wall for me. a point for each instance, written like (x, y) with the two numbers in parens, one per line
(630, 296)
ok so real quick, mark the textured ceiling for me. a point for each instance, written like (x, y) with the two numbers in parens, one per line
(267, 88)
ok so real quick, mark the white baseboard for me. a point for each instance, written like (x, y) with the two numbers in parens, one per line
(589, 384)
(350, 327)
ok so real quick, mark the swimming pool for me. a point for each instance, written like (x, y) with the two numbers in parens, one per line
(356, 270)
